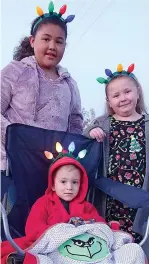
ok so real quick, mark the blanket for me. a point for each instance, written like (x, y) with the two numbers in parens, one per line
(90, 243)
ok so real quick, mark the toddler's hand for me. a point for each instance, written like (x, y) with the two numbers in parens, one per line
(97, 133)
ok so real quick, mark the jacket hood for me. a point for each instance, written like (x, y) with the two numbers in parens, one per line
(84, 178)
(31, 61)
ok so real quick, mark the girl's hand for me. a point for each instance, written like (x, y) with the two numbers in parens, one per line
(97, 133)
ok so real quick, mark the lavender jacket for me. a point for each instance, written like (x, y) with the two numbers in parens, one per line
(20, 91)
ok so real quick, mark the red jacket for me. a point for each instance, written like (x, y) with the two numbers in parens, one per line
(49, 210)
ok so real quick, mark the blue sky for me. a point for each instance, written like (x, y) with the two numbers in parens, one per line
(104, 34)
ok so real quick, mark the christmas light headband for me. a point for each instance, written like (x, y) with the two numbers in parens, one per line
(52, 14)
(65, 153)
(119, 72)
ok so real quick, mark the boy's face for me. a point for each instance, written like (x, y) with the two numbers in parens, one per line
(67, 182)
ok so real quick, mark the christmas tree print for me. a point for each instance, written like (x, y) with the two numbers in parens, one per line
(134, 145)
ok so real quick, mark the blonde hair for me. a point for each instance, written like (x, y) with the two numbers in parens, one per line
(140, 107)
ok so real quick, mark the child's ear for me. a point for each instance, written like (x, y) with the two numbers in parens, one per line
(107, 100)
(31, 40)
(53, 188)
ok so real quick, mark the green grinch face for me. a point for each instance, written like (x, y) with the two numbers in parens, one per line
(85, 247)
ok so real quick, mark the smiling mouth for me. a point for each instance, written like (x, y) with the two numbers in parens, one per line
(51, 56)
(88, 254)
(124, 105)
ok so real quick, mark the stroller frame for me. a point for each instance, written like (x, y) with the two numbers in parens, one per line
(101, 183)
(22, 252)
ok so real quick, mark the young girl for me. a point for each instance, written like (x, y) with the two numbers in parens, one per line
(125, 135)
(35, 89)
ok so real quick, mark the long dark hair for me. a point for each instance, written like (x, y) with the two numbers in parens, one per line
(24, 49)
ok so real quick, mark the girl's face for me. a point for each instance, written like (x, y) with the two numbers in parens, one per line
(122, 96)
(49, 45)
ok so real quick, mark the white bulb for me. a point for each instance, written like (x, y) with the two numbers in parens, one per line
(71, 147)
(82, 153)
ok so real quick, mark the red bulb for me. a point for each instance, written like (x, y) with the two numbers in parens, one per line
(131, 68)
(63, 10)
(64, 151)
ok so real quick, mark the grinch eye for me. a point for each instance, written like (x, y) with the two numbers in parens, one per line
(91, 241)
(78, 243)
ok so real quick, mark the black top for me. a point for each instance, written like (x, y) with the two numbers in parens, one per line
(66, 205)
(127, 164)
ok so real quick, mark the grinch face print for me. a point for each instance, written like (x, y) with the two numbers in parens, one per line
(85, 247)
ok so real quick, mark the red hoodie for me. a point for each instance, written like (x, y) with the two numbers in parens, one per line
(49, 210)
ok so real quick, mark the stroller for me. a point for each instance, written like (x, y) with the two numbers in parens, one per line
(28, 170)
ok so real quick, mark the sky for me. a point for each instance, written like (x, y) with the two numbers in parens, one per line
(103, 34)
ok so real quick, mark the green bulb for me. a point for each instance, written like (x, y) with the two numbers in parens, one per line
(101, 80)
(51, 7)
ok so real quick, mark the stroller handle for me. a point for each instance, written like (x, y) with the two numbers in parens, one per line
(146, 234)
(7, 233)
